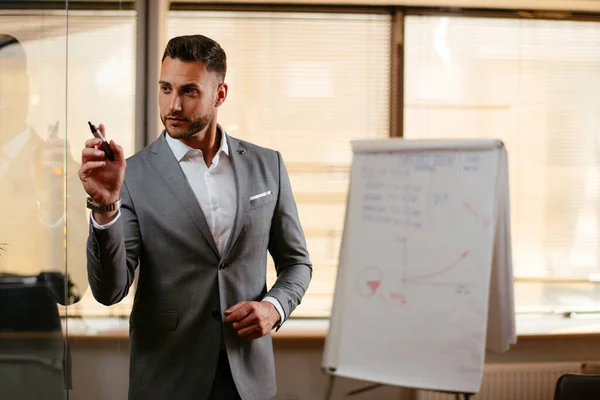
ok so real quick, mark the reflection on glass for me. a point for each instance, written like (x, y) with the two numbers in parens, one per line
(36, 178)
(92, 74)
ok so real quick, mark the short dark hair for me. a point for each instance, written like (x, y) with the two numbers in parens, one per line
(198, 48)
(12, 53)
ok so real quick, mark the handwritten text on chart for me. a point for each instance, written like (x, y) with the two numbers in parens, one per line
(391, 198)
(395, 203)
(402, 164)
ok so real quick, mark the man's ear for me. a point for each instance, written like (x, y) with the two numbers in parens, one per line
(221, 94)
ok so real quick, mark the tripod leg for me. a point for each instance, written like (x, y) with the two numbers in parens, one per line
(330, 387)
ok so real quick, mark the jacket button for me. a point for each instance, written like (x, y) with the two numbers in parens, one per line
(216, 314)
(223, 266)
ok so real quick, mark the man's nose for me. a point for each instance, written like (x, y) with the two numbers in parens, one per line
(176, 103)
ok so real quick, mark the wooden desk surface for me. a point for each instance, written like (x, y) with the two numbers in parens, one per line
(528, 327)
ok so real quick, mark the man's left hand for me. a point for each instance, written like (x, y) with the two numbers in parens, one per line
(252, 319)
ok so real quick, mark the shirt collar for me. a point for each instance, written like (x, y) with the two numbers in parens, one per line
(180, 149)
(16, 144)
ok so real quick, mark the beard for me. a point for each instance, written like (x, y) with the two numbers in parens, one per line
(196, 125)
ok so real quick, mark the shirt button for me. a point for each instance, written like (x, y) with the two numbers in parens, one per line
(215, 207)
(216, 314)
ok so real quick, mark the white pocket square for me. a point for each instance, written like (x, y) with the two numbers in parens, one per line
(258, 196)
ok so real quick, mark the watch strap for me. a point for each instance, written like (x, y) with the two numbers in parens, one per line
(103, 208)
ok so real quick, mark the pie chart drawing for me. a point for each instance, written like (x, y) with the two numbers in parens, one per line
(368, 281)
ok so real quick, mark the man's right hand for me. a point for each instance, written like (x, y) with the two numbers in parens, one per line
(102, 179)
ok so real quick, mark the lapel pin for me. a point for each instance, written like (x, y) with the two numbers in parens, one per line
(241, 151)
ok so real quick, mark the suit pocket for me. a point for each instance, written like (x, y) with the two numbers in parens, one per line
(261, 199)
(162, 320)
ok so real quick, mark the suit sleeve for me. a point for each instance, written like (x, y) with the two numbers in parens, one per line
(287, 246)
(113, 255)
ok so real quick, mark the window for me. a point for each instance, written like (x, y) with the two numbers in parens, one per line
(304, 84)
(535, 85)
(101, 88)
(101, 83)
(80, 68)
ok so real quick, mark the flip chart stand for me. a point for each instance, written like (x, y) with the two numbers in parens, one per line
(330, 384)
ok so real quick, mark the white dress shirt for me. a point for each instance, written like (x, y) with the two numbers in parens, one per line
(8, 153)
(11, 150)
(214, 187)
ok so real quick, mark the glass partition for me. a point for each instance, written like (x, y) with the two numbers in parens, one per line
(59, 68)
(34, 184)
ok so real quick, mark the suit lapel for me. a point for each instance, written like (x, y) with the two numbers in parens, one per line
(169, 169)
(242, 172)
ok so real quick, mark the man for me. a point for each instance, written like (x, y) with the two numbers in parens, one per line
(198, 209)
(33, 260)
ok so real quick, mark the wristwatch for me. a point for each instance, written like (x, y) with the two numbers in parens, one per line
(103, 208)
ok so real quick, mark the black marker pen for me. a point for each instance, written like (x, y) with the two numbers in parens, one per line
(105, 146)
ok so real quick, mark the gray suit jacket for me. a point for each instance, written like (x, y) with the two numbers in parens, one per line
(184, 285)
